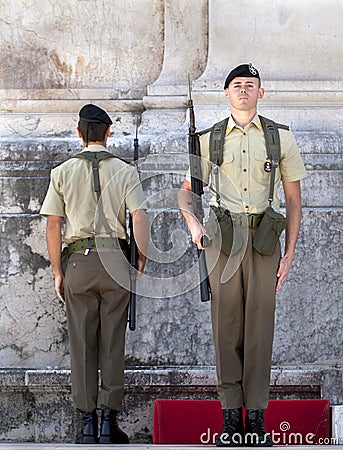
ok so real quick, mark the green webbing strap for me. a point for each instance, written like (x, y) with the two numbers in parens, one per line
(272, 137)
(217, 137)
(95, 158)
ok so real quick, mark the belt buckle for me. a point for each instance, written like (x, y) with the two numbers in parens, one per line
(254, 220)
(239, 220)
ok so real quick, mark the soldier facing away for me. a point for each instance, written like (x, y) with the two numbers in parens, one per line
(96, 283)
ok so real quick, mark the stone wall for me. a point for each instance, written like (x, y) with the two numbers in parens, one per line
(133, 58)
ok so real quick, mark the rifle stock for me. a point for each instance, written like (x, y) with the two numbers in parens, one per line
(133, 254)
(197, 190)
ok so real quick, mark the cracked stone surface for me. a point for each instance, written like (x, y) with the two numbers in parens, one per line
(58, 55)
(63, 51)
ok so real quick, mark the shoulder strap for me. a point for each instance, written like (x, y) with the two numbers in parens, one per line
(217, 137)
(103, 154)
(201, 132)
(95, 157)
(217, 141)
(272, 137)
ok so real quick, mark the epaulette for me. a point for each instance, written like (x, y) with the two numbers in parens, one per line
(283, 127)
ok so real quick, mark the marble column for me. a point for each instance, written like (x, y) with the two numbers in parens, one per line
(185, 55)
(289, 40)
(297, 47)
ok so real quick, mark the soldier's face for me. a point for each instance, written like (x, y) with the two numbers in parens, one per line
(244, 92)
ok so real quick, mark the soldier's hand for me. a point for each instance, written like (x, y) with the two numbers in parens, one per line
(284, 266)
(141, 265)
(59, 287)
(199, 236)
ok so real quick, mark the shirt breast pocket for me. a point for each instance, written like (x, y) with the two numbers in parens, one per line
(262, 165)
(228, 165)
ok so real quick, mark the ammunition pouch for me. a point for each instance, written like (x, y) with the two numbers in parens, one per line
(220, 219)
(269, 231)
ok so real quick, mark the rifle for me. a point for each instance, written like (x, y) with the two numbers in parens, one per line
(133, 252)
(197, 190)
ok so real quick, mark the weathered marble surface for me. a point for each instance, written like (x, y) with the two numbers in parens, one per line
(83, 43)
(292, 40)
(133, 58)
(174, 329)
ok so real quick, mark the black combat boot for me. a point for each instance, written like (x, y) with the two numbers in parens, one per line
(110, 433)
(232, 434)
(255, 433)
(89, 432)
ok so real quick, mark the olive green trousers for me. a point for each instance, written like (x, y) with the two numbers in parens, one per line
(97, 308)
(242, 310)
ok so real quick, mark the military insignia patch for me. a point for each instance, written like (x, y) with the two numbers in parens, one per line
(267, 166)
(252, 69)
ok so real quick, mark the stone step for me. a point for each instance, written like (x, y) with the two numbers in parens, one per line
(30, 398)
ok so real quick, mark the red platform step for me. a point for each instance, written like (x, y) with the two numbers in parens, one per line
(290, 422)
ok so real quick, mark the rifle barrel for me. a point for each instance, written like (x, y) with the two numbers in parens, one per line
(133, 251)
(197, 189)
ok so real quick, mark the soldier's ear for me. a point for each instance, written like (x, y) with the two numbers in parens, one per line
(260, 93)
(79, 132)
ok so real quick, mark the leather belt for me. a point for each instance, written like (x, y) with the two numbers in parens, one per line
(241, 220)
(98, 243)
(244, 220)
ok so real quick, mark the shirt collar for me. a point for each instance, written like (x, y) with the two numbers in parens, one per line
(231, 123)
(94, 148)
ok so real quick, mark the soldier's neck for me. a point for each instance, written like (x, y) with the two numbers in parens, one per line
(243, 118)
(85, 144)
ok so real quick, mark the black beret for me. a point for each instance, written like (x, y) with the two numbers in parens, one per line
(93, 114)
(244, 70)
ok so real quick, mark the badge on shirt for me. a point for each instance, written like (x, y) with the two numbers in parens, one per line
(268, 166)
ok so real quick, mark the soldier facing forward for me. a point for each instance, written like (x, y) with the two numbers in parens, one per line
(243, 301)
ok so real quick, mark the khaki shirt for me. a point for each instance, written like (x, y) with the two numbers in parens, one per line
(243, 182)
(71, 195)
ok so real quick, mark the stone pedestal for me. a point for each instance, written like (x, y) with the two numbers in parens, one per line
(36, 404)
(337, 424)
